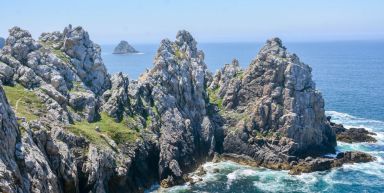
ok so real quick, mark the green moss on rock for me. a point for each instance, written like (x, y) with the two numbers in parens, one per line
(214, 98)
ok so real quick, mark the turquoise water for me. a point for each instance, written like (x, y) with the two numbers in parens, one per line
(351, 77)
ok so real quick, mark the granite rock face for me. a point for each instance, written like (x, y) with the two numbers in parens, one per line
(9, 171)
(86, 57)
(273, 111)
(117, 99)
(124, 48)
(178, 84)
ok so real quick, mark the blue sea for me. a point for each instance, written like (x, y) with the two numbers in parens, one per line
(350, 76)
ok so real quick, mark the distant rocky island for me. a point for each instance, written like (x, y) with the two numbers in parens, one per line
(67, 125)
(2, 42)
(124, 48)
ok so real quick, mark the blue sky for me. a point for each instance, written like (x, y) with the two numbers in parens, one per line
(149, 21)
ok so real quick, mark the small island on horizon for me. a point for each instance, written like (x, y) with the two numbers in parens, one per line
(124, 48)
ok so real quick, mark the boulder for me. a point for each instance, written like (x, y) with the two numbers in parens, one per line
(6, 73)
(84, 103)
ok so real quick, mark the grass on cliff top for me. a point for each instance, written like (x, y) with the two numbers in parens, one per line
(25, 103)
(118, 132)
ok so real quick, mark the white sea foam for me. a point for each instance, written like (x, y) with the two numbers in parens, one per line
(175, 189)
(239, 174)
(352, 121)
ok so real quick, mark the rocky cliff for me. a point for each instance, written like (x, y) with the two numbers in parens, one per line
(2, 42)
(273, 106)
(124, 48)
(68, 126)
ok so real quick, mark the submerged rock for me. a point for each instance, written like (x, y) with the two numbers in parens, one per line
(124, 48)
(322, 164)
(306, 165)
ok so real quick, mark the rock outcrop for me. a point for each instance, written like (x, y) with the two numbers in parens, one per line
(71, 127)
(306, 165)
(116, 99)
(352, 135)
(178, 82)
(124, 48)
(322, 164)
(272, 109)
(66, 68)
(2, 42)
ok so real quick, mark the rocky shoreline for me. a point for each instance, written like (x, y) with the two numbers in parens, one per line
(69, 126)
(352, 135)
(306, 165)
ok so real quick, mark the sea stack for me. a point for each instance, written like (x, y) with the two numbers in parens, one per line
(2, 42)
(124, 48)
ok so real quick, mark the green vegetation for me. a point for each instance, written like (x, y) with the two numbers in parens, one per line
(239, 75)
(179, 54)
(77, 87)
(25, 103)
(214, 98)
(119, 132)
(268, 134)
(148, 121)
(60, 54)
